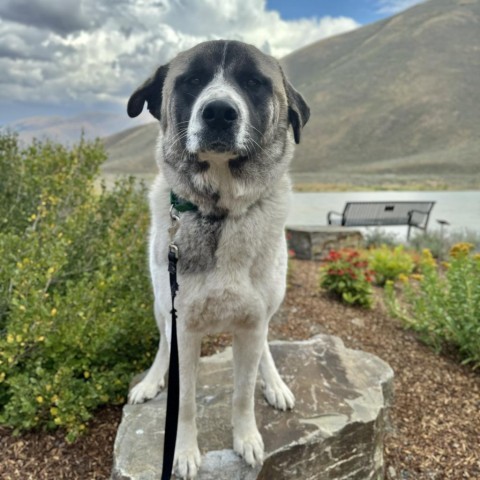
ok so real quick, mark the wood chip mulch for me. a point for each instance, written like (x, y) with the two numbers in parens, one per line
(435, 416)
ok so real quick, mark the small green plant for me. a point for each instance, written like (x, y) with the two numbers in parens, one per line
(388, 263)
(75, 298)
(346, 276)
(376, 237)
(443, 304)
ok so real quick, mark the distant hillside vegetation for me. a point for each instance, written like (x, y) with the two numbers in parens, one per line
(398, 96)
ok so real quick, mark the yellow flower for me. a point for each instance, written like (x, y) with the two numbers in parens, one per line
(18, 338)
(403, 278)
(54, 411)
(10, 338)
(39, 399)
(53, 312)
(86, 374)
(22, 308)
(41, 338)
(54, 399)
(58, 421)
(477, 256)
(50, 270)
(461, 249)
(2, 377)
(427, 258)
(446, 264)
(416, 276)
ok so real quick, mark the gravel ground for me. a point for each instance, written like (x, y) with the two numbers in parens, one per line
(436, 415)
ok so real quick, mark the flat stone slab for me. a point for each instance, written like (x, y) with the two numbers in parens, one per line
(335, 431)
(315, 242)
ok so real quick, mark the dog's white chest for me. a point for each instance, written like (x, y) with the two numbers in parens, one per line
(244, 283)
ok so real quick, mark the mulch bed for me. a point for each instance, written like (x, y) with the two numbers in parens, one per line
(435, 417)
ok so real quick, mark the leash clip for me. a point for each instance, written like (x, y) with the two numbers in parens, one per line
(172, 229)
(173, 250)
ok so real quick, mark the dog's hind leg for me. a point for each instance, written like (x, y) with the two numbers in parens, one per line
(275, 390)
(154, 380)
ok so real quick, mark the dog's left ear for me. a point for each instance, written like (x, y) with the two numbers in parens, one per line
(298, 110)
(151, 92)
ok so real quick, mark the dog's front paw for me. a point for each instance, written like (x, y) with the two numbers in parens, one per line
(143, 391)
(249, 444)
(278, 395)
(187, 463)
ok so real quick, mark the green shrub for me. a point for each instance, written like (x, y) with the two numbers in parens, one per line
(388, 263)
(75, 298)
(346, 276)
(444, 306)
(440, 243)
(376, 237)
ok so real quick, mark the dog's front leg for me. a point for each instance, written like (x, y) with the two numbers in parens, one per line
(187, 454)
(247, 350)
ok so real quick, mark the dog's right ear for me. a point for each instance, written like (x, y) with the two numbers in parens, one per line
(151, 92)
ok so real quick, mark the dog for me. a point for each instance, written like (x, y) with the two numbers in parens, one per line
(228, 120)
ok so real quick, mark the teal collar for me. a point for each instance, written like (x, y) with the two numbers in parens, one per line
(180, 204)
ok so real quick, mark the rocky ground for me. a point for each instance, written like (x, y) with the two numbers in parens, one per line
(435, 419)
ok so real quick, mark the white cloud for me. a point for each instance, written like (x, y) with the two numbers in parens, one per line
(391, 7)
(101, 50)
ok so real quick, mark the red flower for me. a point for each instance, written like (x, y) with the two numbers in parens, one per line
(353, 255)
(333, 256)
(352, 274)
(368, 277)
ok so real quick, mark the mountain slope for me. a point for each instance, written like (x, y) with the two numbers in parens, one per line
(69, 129)
(397, 96)
(402, 87)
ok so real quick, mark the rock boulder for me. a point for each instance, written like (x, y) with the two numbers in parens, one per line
(315, 242)
(336, 430)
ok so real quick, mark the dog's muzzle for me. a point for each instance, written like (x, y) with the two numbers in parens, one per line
(220, 121)
(220, 115)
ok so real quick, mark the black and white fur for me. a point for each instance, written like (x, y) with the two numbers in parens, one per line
(225, 111)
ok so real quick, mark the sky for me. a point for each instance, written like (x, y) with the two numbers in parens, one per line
(72, 56)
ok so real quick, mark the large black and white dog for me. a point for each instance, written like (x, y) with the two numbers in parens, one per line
(225, 111)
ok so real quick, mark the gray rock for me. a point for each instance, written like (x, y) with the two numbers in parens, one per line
(335, 431)
(314, 242)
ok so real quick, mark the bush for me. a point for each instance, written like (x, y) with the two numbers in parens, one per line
(444, 306)
(377, 237)
(75, 298)
(388, 263)
(347, 277)
(440, 243)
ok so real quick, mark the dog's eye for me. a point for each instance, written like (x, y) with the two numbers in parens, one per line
(194, 81)
(253, 83)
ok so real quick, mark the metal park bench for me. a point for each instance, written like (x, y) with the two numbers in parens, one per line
(374, 214)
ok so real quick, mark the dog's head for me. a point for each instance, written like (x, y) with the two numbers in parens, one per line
(224, 99)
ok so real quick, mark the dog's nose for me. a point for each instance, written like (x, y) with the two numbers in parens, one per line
(219, 115)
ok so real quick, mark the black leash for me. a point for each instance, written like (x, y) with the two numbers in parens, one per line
(173, 392)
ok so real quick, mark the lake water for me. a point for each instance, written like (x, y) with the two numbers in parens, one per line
(460, 209)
